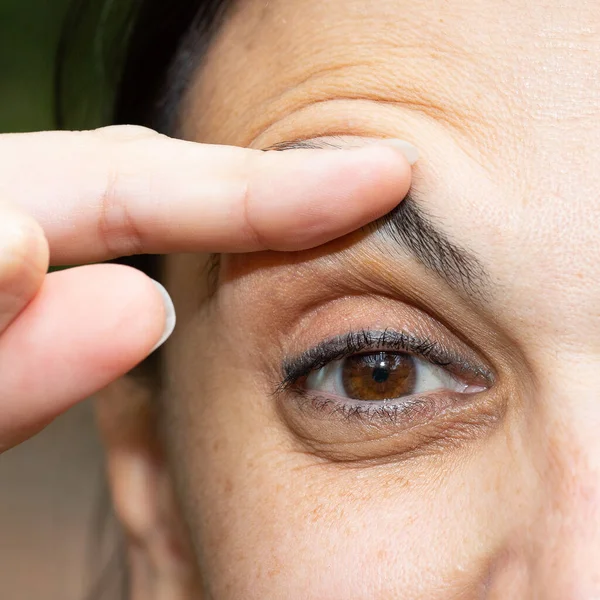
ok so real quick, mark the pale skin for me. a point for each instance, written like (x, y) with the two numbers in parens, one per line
(77, 197)
(250, 494)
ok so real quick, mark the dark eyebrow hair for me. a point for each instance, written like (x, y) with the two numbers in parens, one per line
(409, 227)
(311, 144)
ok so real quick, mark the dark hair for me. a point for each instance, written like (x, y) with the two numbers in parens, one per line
(129, 62)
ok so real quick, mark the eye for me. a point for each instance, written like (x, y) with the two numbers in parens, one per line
(377, 394)
(382, 375)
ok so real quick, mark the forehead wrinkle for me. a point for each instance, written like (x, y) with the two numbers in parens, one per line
(416, 67)
(364, 82)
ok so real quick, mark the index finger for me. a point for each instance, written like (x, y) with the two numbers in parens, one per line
(128, 190)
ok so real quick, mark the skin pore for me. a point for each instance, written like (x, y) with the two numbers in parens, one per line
(263, 489)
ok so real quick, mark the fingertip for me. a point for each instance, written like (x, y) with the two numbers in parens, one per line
(87, 326)
(23, 244)
(329, 193)
(129, 309)
(383, 168)
(23, 263)
(408, 150)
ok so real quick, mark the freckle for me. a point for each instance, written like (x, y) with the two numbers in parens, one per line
(216, 445)
(381, 555)
(317, 513)
(228, 487)
(389, 488)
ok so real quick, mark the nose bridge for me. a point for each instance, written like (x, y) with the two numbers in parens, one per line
(564, 549)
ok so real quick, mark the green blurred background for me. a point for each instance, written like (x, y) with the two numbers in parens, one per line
(29, 33)
(51, 487)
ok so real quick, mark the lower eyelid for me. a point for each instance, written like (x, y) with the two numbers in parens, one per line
(344, 434)
(339, 428)
(408, 408)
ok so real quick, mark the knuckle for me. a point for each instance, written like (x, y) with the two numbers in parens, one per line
(252, 230)
(117, 228)
(126, 149)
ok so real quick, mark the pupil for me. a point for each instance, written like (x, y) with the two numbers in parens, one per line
(380, 374)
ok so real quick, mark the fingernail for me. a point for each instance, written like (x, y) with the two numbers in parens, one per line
(410, 152)
(169, 315)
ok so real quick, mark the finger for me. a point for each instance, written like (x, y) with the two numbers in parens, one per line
(86, 327)
(128, 190)
(23, 263)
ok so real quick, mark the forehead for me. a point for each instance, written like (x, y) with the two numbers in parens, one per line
(501, 97)
(485, 68)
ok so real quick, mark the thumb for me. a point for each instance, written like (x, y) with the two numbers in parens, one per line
(86, 327)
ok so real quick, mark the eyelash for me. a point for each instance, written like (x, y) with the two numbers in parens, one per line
(297, 368)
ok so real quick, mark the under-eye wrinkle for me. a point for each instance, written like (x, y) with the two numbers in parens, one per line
(461, 377)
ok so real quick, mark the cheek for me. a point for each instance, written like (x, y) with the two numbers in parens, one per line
(272, 521)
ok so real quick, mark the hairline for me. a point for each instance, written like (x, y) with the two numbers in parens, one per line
(187, 61)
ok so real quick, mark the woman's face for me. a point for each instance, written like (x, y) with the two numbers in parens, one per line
(412, 411)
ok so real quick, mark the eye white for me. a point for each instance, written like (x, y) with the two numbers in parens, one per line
(429, 378)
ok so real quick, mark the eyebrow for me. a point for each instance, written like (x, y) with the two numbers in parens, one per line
(410, 228)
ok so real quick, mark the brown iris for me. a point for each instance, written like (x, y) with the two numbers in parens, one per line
(379, 375)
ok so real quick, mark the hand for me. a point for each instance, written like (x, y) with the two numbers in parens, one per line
(78, 197)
